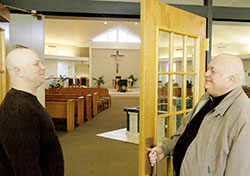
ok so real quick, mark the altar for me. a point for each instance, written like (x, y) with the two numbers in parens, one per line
(122, 85)
(131, 92)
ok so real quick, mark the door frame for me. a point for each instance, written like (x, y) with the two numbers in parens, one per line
(4, 43)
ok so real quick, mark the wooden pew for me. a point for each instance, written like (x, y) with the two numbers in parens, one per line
(62, 110)
(95, 104)
(176, 91)
(80, 110)
(79, 105)
(88, 104)
(247, 91)
(98, 105)
(103, 93)
(83, 105)
(78, 92)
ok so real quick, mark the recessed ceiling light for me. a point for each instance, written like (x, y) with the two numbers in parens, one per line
(105, 22)
(136, 23)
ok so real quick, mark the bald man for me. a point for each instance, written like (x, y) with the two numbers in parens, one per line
(28, 142)
(214, 137)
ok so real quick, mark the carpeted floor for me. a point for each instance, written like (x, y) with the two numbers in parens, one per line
(88, 155)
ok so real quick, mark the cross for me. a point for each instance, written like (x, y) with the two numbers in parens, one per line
(117, 58)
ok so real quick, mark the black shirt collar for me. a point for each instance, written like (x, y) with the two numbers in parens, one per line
(219, 98)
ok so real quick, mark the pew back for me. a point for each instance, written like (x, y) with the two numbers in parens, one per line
(83, 104)
(64, 109)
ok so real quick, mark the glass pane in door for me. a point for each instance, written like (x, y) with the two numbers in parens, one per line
(191, 54)
(163, 51)
(190, 91)
(178, 53)
(163, 66)
(163, 95)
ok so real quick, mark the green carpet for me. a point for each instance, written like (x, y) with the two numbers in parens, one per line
(87, 154)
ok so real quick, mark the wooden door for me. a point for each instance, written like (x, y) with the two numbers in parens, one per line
(171, 74)
(4, 41)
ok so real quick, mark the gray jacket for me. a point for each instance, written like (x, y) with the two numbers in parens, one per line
(222, 144)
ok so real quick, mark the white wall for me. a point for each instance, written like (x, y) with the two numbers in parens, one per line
(103, 64)
(51, 68)
(247, 71)
(27, 31)
(62, 69)
(71, 69)
(51, 71)
(81, 70)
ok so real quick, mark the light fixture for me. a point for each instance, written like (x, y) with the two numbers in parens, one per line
(32, 12)
(136, 24)
(105, 22)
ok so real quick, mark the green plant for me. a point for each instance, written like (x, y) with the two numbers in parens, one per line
(132, 77)
(58, 83)
(174, 85)
(166, 85)
(99, 81)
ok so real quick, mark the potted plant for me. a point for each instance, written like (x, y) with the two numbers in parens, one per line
(132, 77)
(58, 83)
(99, 81)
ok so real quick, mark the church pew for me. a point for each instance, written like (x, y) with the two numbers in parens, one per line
(62, 110)
(163, 92)
(84, 106)
(103, 93)
(79, 106)
(102, 101)
(103, 96)
(88, 107)
(95, 106)
(247, 91)
(98, 105)
(176, 91)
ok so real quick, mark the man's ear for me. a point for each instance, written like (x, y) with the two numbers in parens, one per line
(232, 78)
(18, 71)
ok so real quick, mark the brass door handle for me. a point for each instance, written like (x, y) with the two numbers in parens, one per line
(1, 71)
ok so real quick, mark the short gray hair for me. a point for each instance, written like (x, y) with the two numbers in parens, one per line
(235, 67)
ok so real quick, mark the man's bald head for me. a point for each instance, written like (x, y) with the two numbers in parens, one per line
(231, 65)
(26, 70)
(225, 72)
(19, 57)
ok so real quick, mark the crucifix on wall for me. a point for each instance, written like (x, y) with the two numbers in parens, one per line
(117, 58)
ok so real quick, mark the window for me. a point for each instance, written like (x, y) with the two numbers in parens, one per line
(117, 35)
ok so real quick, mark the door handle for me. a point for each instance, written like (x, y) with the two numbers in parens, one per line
(1, 71)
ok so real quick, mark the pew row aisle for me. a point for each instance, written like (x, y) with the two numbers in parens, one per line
(88, 102)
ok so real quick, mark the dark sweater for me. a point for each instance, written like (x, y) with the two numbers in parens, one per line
(191, 131)
(28, 142)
